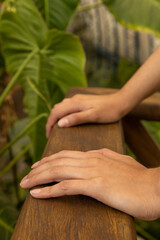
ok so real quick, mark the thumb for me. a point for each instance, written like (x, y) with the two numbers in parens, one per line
(76, 119)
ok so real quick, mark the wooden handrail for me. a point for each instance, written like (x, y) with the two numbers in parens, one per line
(76, 217)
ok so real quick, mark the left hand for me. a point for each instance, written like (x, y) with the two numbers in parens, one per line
(116, 180)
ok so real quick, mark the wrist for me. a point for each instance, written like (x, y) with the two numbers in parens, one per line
(124, 103)
(154, 192)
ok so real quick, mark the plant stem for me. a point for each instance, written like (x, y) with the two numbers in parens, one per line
(5, 225)
(36, 90)
(16, 76)
(46, 9)
(14, 161)
(23, 132)
(89, 6)
(144, 234)
(14, 171)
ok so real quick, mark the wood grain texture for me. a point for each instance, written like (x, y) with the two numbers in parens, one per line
(141, 143)
(76, 217)
(149, 109)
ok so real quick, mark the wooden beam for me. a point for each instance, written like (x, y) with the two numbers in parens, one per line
(76, 217)
(141, 143)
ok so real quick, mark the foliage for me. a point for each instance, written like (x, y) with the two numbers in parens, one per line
(41, 60)
(138, 15)
(57, 13)
(124, 71)
(45, 61)
(8, 216)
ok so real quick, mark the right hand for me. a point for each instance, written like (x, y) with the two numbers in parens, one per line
(86, 108)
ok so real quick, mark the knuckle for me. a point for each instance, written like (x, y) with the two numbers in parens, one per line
(98, 181)
(76, 118)
(104, 149)
(43, 160)
(66, 99)
(47, 164)
(96, 115)
(49, 191)
(63, 152)
(52, 111)
(129, 158)
(64, 186)
(30, 174)
(77, 96)
(55, 107)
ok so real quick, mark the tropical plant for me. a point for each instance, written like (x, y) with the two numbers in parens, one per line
(45, 60)
(41, 57)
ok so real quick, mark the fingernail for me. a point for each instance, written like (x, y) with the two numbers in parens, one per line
(24, 181)
(35, 164)
(35, 191)
(63, 122)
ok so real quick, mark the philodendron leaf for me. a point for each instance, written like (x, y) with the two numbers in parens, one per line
(57, 13)
(57, 62)
(139, 15)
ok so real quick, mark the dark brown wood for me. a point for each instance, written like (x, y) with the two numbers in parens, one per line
(76, 217)
(141, 143)
(149, 109)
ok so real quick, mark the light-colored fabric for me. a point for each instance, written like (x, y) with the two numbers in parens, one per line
(99, 32)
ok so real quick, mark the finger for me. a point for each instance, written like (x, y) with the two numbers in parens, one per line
(56, 174)
(61, 154)
(77, 118)
(62, 109)
(67, 187)
(68, 154)
(82, 162)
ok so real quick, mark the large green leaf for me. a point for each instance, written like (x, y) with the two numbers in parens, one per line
(57, 13)
(56, 65)
(137, 14)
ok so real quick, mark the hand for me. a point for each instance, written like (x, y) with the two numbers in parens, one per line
(86, 108)
(114, 179)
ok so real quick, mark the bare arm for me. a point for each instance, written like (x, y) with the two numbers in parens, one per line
(143, 83)
(108, 108)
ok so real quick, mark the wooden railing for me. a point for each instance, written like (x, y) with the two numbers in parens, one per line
(81, 217)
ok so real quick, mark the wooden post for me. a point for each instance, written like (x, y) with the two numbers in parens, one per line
(76, 217)
(141, 143)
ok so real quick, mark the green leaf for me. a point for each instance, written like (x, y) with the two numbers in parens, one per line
(57, 13)
(57, 62)
(8, 215)
(139, 15)
(15, 160)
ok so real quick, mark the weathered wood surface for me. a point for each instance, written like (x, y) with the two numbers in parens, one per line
(149, 109)
(141, 143)
(76, 217)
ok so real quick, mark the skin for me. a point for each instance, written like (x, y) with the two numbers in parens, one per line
(114, 179)
(90, 174)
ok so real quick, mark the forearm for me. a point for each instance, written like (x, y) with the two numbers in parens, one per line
(143, 83)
